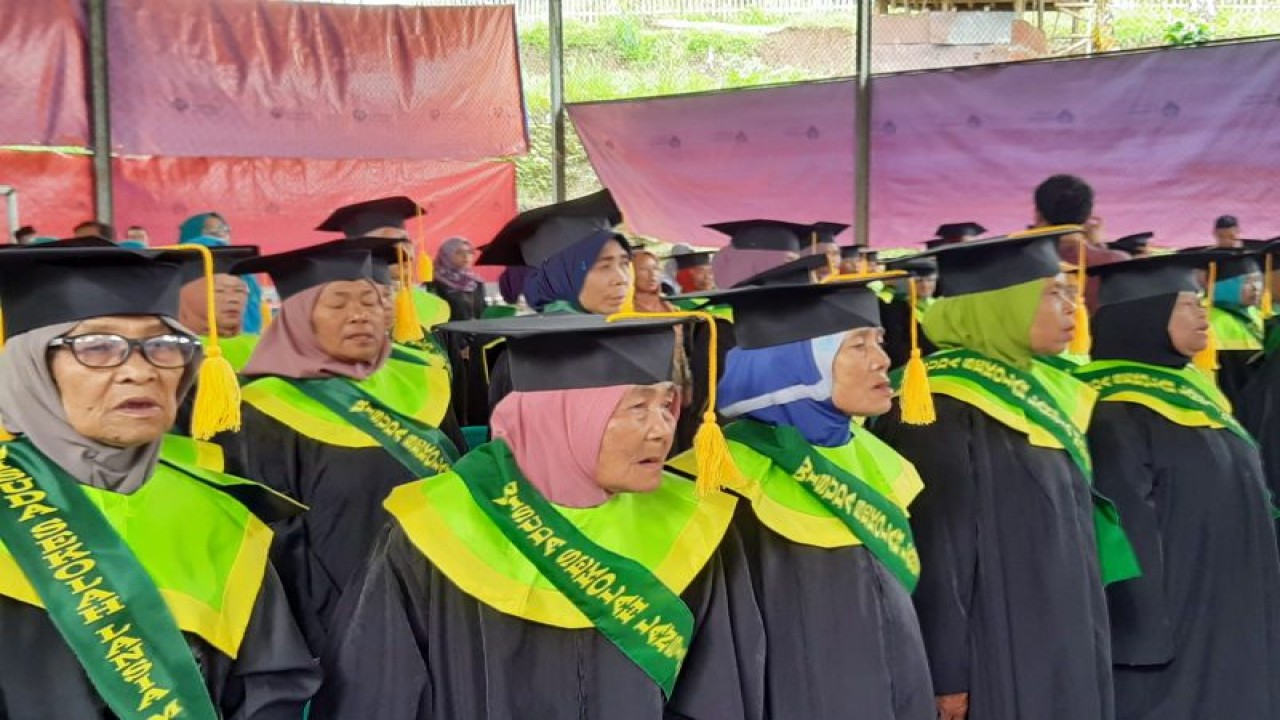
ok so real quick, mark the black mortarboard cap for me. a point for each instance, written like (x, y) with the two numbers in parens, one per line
(298, 270)
(765, 234)
(796, 272)
(1230, 262)
(225, 259)
(687, 260)
(363, 217)
(1152, 276)
(51, 285)
(535, 235)
(980, 265)
(88, 241)
(1132, 243)
(569, 352)
(769, 315)
(958, 230)
(1225, 221)
(383, 253)
(826, 232)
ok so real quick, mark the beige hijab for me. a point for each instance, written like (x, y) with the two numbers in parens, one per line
(31, 405)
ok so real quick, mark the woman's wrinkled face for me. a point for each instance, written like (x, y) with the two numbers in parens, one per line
(349, 321)
(230, 296)
(607, 283)
(1189, 325)
(133, 404)
(860, 374)
(637, 439)
(1054, 322)
(648, 274)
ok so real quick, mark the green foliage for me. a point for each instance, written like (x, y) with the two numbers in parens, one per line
(1187, 31)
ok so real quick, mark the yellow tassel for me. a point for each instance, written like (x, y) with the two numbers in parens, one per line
(1268, 310)
(716, 468)
(6, 436)
(407, 327)
(426, 268)
(217, 403)
(1207, 359)
(264, 309)
(916, 397)
(629, 304)
(1082, 340)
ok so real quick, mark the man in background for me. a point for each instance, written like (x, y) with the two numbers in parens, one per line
(24, 235)
(1226, 232)
(93, 228)
(1068, 200)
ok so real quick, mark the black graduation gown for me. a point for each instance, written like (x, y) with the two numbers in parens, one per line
(1235, 370)
(415, 647)
(272, 679)
(843, 639)
(697, 343)
(1259, 411)
(1010, 599)
(1198, 635)
(318, 552)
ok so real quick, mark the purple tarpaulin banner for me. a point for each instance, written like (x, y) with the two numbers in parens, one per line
(1169, 139)
(678, 163)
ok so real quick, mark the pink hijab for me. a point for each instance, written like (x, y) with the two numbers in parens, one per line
(555, 436)
(289, 347)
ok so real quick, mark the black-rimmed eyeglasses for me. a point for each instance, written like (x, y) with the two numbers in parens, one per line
(108, 350)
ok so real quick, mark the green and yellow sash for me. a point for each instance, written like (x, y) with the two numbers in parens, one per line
(1054, 418)
(423, 450)
(618, 567)
(410, 384)
(1185, 396)
(869, 514)
(1236, 328)
(99, 594)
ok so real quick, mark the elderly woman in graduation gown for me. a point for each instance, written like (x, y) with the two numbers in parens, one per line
(843, 640)
(1010, 598)
(334, 417)
(1236, 320)
(558, 572)
(132, 585)
(1198, 635)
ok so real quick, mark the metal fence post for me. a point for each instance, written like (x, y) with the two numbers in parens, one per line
(555, 28)
(862, 128)
(100, 109)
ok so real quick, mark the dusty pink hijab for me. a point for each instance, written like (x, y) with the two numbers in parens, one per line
(289, 347)
(555, 436)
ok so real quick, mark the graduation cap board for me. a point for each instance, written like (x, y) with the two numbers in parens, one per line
(914, 265)
(1132, 244)
(765, 234)
(956, 232)
(225, 258)
(361, 218)
(535, 235)
(298, 270)
(1229, 262)
(826, 232)
(569, 352)
(51, 285)
(769, 315)
(981, 265)
(687, 260)
(1153, 276)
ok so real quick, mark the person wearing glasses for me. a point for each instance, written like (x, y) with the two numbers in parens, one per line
(131, 584)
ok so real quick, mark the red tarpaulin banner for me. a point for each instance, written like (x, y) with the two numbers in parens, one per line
(275, 202)
(244, 78)
(55, 192)
(42, 84)
(677, 163)
(1167, 144)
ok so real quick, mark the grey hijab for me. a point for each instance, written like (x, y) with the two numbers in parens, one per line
(31, 405)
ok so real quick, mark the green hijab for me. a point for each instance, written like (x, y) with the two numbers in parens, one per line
(996, 323)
